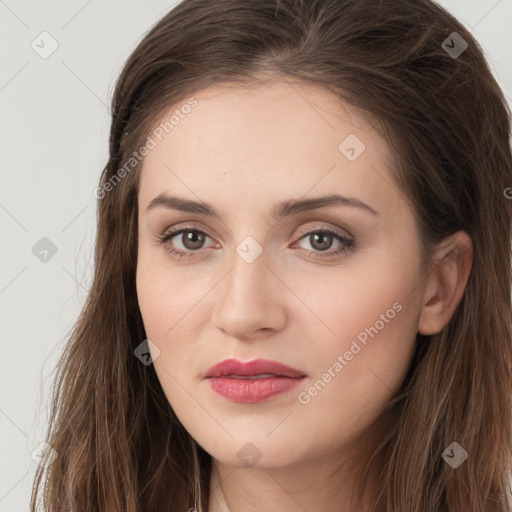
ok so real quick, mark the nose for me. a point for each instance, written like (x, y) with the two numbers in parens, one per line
(249, 300)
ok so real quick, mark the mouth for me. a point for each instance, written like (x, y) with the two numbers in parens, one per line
(257, 368)
(252, 377)
(252, 381)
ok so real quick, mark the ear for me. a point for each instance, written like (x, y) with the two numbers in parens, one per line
(446, 284)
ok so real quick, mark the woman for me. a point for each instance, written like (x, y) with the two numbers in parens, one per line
(301, 297)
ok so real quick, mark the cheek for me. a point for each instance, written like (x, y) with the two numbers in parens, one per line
(356, 381)
(373, 313)
(165, 293)
(173, 308)
(153, 298)
(167, 309)
(375, 295)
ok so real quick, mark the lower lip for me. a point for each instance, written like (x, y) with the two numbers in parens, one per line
(251, 391)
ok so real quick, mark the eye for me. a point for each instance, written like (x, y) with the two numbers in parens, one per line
(321, 239)
(190, 239)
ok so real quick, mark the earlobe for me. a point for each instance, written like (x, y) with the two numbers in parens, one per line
(447, 282)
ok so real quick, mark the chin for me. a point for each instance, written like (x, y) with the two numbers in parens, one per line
(251, 451)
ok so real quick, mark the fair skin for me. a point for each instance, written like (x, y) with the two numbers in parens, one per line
(243, 151)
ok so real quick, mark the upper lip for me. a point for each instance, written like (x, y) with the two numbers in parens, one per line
(254, 367)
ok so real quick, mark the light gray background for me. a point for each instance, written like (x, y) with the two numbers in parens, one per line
(54, 126)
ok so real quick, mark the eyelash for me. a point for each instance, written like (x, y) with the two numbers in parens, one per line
(347, 244)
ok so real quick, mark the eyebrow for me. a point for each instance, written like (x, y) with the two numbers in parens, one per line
(284, 209)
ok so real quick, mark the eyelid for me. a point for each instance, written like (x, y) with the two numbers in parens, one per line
(175, 230)
(343, 233)
(178, 230)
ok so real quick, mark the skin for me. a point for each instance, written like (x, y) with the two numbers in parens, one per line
(243, 150)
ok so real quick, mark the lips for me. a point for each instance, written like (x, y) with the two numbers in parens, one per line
(255, 369)
(253, 381)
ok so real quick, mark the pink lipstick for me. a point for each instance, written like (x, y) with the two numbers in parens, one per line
(252, 381)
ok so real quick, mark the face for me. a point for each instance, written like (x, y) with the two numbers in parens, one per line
(249, 264)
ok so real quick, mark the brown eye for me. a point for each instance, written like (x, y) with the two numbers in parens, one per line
(184, 243)
(321, 241)
(192, 240)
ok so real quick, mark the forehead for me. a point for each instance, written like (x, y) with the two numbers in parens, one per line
(281, 138)
(293, 107)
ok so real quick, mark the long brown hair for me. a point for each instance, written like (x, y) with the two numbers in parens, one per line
(119, 444)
